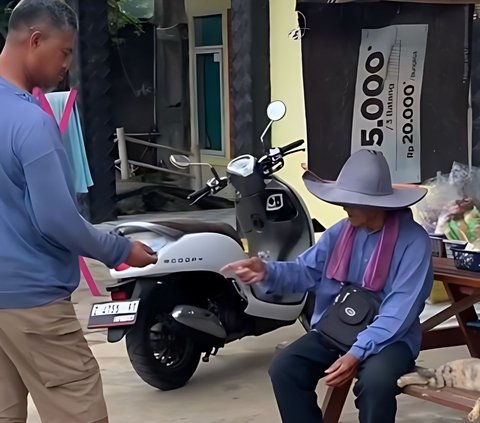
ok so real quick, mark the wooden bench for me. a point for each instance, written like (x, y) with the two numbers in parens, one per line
(335, 398)
(458, 399)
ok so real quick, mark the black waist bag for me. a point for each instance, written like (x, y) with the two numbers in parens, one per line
(353, 310)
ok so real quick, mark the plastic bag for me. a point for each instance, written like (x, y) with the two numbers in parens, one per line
(451, 221)
(441, 192)
(452, 204)
(467, 179)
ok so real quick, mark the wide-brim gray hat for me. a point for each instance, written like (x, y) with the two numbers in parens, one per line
(364, 181)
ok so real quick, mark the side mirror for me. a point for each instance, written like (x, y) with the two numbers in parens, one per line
(180, 161)
(276, 110)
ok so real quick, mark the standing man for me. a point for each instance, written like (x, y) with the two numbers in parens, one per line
(42, 347)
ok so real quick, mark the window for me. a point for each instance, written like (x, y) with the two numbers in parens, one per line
(139, 9)
(209, 82)
(208, 31)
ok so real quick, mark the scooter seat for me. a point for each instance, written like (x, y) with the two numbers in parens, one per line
(192, 226)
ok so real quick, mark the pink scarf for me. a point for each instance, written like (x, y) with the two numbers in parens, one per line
(377, 269)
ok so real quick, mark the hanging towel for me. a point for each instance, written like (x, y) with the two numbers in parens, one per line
(73, 141)
(65, 118)
(378, 265)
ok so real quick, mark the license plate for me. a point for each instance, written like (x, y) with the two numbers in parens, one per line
(115, 313)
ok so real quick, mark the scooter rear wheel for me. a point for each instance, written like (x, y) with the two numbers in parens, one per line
(162, 358)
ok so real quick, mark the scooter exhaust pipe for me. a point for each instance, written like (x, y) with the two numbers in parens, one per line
(200, 324)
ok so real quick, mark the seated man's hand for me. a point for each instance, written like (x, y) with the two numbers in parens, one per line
(340, 372)
(252, 270)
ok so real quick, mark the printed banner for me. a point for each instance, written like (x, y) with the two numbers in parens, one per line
(386, 113)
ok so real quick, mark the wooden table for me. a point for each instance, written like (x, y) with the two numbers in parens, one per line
(463, 288)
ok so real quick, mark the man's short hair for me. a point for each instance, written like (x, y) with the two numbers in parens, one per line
(31, 12)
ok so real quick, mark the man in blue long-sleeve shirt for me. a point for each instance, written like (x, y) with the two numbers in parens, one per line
(42, 348)
(380, 247)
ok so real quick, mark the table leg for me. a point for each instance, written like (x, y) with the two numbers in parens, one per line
(442, 338)
(472, 335)
(469, 299)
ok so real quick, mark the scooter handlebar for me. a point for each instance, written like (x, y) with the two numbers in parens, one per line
(291, 146)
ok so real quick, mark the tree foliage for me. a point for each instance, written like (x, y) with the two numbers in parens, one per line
(119, 18)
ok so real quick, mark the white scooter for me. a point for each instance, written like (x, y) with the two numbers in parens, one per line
(174, 311)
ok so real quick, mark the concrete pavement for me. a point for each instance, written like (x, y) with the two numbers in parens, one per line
(232, 388)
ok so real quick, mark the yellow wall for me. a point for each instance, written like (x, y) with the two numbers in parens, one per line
(205, 7)
(287, 85)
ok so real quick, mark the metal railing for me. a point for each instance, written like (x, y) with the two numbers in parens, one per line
(127, 166)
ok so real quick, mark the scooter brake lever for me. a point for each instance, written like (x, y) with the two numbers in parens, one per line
(199, 198)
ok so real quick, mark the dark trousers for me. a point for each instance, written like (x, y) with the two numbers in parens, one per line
(296, 370)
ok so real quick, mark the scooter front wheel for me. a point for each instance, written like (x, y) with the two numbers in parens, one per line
(162, 358)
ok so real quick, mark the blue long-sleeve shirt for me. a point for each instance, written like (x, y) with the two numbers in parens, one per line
(41, 232)
(407, 287)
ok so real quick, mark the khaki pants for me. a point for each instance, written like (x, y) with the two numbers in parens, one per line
(43, 352)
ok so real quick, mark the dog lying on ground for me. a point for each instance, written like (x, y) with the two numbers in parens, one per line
(462, 374)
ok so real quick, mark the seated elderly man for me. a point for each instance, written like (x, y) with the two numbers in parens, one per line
(371, 274)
